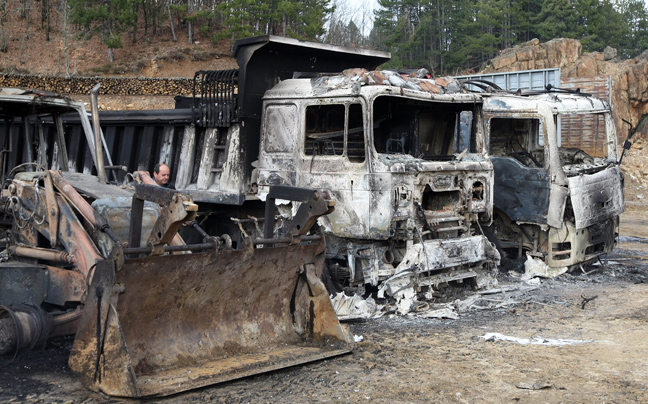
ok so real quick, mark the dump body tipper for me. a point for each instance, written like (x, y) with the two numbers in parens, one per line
(153, 314)
(559, 204)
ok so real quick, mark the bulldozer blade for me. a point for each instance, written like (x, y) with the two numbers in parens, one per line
(165, 324)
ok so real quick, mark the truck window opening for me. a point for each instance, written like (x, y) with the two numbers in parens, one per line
(430, 131)
(517, 138)
(326, 126)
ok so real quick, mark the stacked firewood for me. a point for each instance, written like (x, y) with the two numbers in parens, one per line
(109, 85)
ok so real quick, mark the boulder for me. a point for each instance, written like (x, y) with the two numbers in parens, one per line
(629, 77)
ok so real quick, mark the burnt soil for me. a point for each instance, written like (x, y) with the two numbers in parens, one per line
(417, 360)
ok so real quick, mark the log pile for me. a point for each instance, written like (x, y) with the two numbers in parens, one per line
(109, 85)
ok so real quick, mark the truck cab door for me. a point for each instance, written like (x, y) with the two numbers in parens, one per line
(333, 157)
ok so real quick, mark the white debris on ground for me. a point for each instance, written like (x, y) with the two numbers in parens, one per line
(447, 312)
(407, 304)
(353, 307)
(495, 336)
(358, 338)
(536, 268)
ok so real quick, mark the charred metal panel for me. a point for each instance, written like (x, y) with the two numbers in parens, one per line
(145, 157)
(351, 217)
(64, 286)
(383, 202)
(526, 80)
(569, 246)
(22, 283)
(521, 192)
(439, 254)
(187, 153)
(596, 197)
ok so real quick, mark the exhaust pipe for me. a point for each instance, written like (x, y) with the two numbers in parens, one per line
(94, 104)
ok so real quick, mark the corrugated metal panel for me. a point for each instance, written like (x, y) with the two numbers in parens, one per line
(586, 132)
(525, 80)
(598, 86)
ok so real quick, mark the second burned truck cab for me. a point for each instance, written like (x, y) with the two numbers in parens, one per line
(558, 185)
(405, 160)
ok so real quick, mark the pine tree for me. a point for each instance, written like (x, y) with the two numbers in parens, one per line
(109, 17)
(557, 19)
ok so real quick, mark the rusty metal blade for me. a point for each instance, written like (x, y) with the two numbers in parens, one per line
(179, 322)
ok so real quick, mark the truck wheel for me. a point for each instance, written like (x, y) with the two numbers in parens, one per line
(332, 285)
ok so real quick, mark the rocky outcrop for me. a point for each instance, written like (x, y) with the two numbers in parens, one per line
(629, 77)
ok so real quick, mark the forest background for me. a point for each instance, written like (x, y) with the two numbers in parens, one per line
(447, 36)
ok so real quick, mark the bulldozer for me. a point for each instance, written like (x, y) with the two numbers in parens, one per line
(152, 314)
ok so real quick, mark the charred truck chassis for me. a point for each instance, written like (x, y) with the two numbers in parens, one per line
(404, 157)
(406, 165)
(558, 205)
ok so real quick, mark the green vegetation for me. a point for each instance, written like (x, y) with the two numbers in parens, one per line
(448, 36)
(452, 36)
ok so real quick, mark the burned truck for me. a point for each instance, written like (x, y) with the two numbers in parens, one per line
(555, 202)
(404, 158)
(84, 254)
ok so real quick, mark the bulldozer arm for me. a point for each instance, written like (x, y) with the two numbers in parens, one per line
(164, 324)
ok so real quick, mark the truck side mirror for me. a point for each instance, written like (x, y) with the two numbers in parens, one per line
(627, 144)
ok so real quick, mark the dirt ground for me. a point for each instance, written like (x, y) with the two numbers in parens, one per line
(416, 360)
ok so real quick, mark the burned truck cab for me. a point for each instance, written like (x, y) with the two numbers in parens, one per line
(404, 158)
(558, 185)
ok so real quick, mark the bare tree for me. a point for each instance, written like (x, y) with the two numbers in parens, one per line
(175, 38)
(63, 48)
(189, 22)
(26, 6)
(350, 23)
(45, 18)
(3, 18)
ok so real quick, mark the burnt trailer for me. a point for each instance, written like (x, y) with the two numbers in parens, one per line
(554, 204)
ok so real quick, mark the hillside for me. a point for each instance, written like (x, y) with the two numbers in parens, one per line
(154, 55)
(151, 56)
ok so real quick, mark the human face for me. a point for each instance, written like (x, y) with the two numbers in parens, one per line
(162, 178)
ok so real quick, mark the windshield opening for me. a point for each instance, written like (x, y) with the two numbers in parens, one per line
(582, 134)
(426, 130)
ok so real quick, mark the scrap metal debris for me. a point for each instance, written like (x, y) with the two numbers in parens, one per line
(535, 267)
(407, 303)
(586, 300)
(354, 78)
(534, 386)
(353, 307)
(495, 336)
(441, 313)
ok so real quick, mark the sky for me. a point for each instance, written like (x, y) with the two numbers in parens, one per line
(360, 11)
